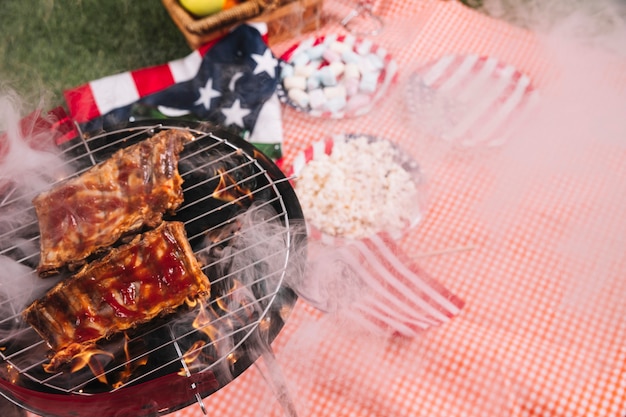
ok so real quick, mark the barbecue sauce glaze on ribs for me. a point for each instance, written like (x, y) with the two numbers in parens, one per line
(129, 191)
(150, 276)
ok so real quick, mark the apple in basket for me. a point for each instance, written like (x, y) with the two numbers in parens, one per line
(201, 8)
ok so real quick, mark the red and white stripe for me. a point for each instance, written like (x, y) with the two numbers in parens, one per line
(40, 129)
(316, 150)
(397, 296)
(99, 97)
(491, 98)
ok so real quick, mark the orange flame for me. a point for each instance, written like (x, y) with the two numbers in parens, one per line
(87, 358)
(194, 352)
(81, 356)
(130, 366)
(228, 190)
(10, 373)
(203, 323)
(235, 299)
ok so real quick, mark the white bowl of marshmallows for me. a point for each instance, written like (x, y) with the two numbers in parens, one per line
(335, 76)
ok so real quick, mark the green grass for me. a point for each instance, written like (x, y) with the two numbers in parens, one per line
(48, 46)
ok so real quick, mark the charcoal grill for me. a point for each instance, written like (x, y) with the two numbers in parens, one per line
(152, 370)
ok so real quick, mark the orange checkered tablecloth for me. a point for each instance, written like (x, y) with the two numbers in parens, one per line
(534, 247)
(537, 258)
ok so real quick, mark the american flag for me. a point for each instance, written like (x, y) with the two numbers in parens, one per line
(231, 82)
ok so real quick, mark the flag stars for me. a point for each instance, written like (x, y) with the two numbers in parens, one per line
(207, 93)
(235, 114)
(265, 63)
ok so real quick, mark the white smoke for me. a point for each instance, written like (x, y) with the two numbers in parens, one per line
(29, 157)
(567, 157)
(28, 164)
(600, 22)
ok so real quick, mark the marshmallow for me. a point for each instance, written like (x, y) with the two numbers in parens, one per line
(305, 70)
(337, 68)
(352, 70)
(369, 82)
(352, 85)
(336, 91)
(338, 47)
(350, 57)
(317, 98)
(364, 47)
(374, 62)
(327, 76)
(316, 52)
(295, 81)
(300, 59)
(336, 104)
(331, 56)
(299, 97)
(286, 71)
(313, 82)
(334, 75)
(329, 39)
(349, 40)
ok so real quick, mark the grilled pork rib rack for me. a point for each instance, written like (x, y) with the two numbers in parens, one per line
(175, 360)
(128, 191)
(149, 277)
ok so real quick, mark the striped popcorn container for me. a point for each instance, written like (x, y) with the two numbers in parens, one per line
(367, 279)
(470, 100)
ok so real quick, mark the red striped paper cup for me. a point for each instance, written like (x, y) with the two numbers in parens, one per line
(373, 285)
(370, 281)
(470, 100)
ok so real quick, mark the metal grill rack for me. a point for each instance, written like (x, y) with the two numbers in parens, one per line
(246, 260)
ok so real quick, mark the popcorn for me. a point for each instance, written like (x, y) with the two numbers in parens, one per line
(357, 190)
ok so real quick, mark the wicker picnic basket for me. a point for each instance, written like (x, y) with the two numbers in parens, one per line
(285, 19)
